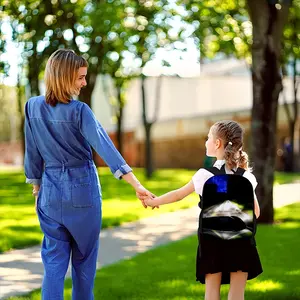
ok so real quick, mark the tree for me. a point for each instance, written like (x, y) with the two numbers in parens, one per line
(41, 27)
(117, 100)
(268, 20)
(224, 26)
(45, 26)
(149, 31)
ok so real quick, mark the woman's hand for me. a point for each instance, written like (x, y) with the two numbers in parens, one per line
(35, 193)
(143, 194)
(36, 198)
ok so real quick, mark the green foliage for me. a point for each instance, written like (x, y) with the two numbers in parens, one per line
(291, 45)
(105, 32)
(225, 27)
(221, 26)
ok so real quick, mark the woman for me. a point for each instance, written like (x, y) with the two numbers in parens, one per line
(60, 133)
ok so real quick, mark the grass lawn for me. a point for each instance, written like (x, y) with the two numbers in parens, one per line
(19, 225)
(168, 273)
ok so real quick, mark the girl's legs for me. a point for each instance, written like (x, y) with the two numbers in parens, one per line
(237, 285)
(212, 286)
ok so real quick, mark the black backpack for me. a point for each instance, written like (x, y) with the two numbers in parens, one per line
(227, 205)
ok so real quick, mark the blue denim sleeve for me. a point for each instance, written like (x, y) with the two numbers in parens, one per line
(97, 137)
(33, 162)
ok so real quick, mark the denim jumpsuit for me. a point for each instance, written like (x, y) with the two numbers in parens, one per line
(58, 157)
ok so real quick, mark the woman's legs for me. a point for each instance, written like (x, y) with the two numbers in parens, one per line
(212, 286)
(84, 227)
(55, 254)
(237, 285)
(83, 272)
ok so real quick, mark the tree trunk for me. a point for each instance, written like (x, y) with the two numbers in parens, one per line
(288, 145)
(147, 126)
(148, 151)
(120, 120)
(268, 23)
(33, 75)
(295, 149)
(21, 114)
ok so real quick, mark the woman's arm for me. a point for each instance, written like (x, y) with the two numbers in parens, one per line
(33, 161)
(99, 140)
(172, 196)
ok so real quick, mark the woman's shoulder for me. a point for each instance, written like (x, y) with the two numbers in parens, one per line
(35, 99)
(33, 103)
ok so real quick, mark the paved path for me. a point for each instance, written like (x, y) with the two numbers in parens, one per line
(21, 270)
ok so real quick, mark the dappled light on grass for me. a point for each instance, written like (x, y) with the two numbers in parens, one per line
(293, 272)
(172, 284)
(284, 214)
(265, 286)
(19, 226)
(290, 225)
(282, 178)
(168, 272)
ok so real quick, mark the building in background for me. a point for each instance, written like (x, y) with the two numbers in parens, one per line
(188, 107)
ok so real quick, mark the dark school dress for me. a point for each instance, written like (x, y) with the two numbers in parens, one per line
(216, 255)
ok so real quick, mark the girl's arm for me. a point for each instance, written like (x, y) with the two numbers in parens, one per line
(256, 207)
(172, 196)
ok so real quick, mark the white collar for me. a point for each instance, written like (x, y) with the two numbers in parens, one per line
(219, 163)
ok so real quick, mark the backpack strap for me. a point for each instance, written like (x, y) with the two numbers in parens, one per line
(239, 171)
(216, 171)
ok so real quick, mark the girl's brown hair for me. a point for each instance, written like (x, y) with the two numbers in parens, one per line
(60, 75)
(231, 134)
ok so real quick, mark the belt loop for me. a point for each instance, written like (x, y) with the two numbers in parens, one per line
(63, 167)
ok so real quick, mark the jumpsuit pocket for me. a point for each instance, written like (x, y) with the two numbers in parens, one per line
(44, 195)
(82, 195)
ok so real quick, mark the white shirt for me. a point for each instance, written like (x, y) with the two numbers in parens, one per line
(202, 175)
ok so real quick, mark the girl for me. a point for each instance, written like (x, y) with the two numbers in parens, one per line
(221, 261)
(59, 134)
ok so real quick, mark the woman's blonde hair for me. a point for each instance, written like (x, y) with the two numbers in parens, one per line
(231, 134)
(60, 75)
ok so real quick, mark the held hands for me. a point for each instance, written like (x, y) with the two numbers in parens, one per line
(144, 194)
(149, 201)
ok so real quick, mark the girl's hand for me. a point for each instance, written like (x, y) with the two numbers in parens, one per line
(143, 194)
(151, 202)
